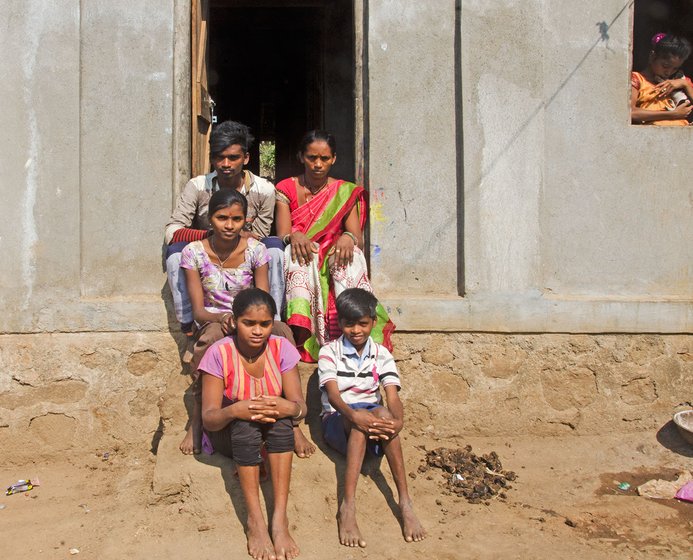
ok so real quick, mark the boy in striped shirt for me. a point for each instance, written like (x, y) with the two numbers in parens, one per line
(351, 371)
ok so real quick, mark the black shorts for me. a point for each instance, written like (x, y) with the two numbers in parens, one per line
(241, 440)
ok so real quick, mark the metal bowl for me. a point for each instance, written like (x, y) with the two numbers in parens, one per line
(684, 422)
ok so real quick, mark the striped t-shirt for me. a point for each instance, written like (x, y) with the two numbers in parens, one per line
(356, 383)
(223, 360)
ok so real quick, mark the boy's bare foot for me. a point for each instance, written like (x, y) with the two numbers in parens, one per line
(187, 445)
(302, 445)
(412, 529)
(285, 547)
(260, 545)
(349, 534)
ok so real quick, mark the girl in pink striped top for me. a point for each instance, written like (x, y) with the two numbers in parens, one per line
(251, 394)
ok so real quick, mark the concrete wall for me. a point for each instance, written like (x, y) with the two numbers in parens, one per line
(502, 166)
(566, 217)
(87, 164)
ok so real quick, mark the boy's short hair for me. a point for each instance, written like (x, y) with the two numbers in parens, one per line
(354, 303)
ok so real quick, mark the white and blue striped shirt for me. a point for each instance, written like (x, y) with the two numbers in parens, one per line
(358, 378)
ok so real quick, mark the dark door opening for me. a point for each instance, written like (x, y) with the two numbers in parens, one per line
(284, 68)
(660, 16)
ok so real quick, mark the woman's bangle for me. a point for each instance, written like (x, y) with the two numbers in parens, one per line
(222, 320)
(353, 237)
(300, 411)
(286, 239)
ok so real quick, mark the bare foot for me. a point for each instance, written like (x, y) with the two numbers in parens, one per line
(259, 543)
(187, 445)
(412, 529)
(302, 445)
(284, 545)
(349, 534)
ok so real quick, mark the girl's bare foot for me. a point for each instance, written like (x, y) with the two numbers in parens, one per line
(260, 545)
(412, 529)
(302, 445)
(187, 445)
(285, 547)
(349, 534)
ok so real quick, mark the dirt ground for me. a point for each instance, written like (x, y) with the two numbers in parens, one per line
(132, 503)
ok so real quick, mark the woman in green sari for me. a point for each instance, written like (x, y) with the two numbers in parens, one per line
(321, 219)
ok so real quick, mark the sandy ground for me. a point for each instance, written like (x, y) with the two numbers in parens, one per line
(565, 503)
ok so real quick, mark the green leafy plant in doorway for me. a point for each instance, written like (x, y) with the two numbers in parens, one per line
(267, 159)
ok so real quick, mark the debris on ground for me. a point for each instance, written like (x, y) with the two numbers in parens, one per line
(22, 486)
(625, 486)
(685, 492)
(476, 478)
(664, 489)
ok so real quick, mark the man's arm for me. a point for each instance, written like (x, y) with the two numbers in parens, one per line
(264, 198)
(184, 213)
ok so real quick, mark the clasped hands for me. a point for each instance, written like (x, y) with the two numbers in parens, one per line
(303, 249)
(375, 427)
(264, 409)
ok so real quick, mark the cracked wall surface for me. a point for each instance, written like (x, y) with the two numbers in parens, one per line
(59, 392)
(65, 391)
(489, 384)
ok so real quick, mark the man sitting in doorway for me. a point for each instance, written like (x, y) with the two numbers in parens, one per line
(229, 144)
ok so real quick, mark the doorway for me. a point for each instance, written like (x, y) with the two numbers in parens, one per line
(283, 68)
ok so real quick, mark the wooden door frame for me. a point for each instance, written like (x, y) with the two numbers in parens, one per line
(201, 102)
(191, 55)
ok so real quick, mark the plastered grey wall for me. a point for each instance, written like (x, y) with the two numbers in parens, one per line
(501, 166)
(566, 217)
(87, 164)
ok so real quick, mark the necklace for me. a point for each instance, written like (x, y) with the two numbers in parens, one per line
(313, 191)
(250, 359)
(221, 263)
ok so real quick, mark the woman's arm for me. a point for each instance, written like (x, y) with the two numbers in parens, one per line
(352, 224)
(196, 294)
(667, 86)
(345, 245)
(282, 218)
(214, 417)
(688, 88)
(291, 385)
(261, 277)
(302, 248)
